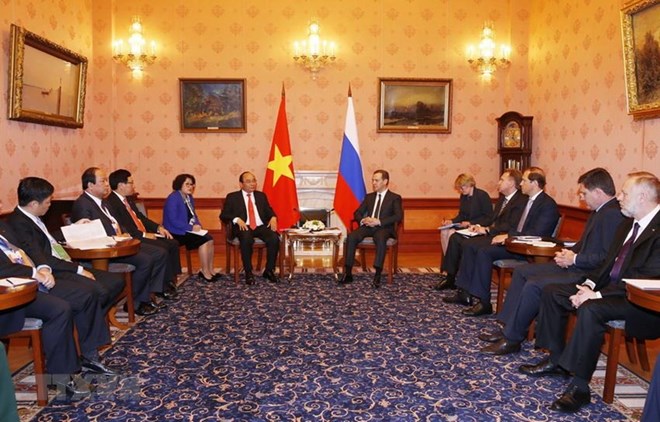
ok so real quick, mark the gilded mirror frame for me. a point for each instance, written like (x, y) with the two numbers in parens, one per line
(56, 97)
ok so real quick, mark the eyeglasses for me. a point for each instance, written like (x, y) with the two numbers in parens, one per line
(188, 184)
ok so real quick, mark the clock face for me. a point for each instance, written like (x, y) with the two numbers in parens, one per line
(511, 138)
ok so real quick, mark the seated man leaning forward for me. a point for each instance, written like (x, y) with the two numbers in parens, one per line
(634, 253)
(378, 216)
(596, 189)
(251, 216)
(539, 218)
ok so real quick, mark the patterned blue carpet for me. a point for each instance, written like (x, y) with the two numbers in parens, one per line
(310, 350)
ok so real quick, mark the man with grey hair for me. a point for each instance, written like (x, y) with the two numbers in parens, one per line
(634, 253)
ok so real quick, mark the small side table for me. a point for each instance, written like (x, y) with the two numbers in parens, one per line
(305, 236)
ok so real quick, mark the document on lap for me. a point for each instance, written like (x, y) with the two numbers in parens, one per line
(14, 281)
(468, 233)
(87, 236)
(201, 232)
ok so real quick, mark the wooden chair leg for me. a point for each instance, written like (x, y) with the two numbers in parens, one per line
(630, 350)
(616, 335)
(34, 337)
(130, 303)
(643, 355)
(390, 267)
(189, 261)
(237, 260)
(500, 288)
(260, 256)
(363, 258)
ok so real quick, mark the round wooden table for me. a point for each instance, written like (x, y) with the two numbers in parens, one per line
(100, 257)
(11, 297)
(534, 253)
(649, 299)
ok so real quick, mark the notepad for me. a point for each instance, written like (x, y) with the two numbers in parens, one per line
(14, 281)
(644, 284)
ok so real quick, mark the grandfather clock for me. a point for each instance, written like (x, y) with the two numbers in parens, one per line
(514, 140)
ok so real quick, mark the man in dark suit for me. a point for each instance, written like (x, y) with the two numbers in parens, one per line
(596, 189)
(34, 198)
(149, 262)
(507, 212)
(378, 215)
(539, 218)
(251, 216)
(634, 253)
(59, 304)
(139, 226)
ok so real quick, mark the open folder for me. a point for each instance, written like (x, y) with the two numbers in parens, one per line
(87, 235)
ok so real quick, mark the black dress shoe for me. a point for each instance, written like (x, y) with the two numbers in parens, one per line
(159, 305)
(572, 400)
(217, 276)
(346, 278)
(444, 284)
(478, 309)
(95, 366)
(491, 337)
(270, 276)
(76, 388)
(461, 297)
(502, 347)
(543, 368)
(169, 294)
(145, 309)
(249, 278)
(376, 282)
(208, 280)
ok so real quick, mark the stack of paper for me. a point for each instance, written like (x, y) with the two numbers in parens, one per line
(87, 236)
(14, 281)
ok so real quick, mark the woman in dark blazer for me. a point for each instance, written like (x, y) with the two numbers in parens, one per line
(180, 219)
(475, 208)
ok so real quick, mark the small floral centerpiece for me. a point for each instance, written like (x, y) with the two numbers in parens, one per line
(313, 225)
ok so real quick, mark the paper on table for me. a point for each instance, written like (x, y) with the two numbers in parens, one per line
(87, 236)
(14, 281)
(201, 232)
(644, 284)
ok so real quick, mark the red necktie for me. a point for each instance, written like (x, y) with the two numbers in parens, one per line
(251, 214)
(134, 216)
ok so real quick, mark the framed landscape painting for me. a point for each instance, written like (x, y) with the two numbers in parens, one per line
(414, 105)
(212, 105)
(640, 29)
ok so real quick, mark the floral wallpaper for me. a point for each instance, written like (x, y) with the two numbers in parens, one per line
(566, 71)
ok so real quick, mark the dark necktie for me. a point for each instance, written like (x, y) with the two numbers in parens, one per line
(251, 214)
(377, 207)
(506, 201)
(623, 253)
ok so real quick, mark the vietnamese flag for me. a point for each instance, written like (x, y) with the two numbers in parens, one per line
(280, 182)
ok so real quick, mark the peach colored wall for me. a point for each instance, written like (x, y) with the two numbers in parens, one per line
(578, 97)
(567, 72)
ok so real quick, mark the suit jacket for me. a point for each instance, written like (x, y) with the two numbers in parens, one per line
(175, 214)
(597, 237)
(541, 219)
(476, 209)
(235, 207)
(643, 260)
(85, 207)
(119, 211)
(391, 211)
(11, 320)
(35, 242)
(508, 218)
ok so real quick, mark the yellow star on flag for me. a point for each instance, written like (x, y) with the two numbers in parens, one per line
(281, 166)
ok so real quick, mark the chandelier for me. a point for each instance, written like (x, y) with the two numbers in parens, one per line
(138, 55)
(488, 61)
(314, 53)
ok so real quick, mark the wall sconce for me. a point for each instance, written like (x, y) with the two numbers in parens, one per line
(137, 57)
(314, 53)
(488, 62)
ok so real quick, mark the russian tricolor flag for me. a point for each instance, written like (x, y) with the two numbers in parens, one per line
(350, 189)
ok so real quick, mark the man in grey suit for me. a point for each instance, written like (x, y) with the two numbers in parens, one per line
(378, 216)
(596, 189)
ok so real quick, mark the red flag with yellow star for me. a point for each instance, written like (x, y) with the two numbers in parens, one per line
(280, 182)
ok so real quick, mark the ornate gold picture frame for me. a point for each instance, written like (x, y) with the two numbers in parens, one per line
(213, 105)
(46, 81)
(641, 53)
(414, 105)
